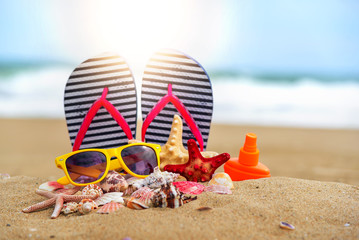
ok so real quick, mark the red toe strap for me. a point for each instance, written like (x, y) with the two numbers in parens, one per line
(170, 97)
(92, 113)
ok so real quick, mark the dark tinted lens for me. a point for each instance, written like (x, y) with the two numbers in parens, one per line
(86, 167)
(140, 159)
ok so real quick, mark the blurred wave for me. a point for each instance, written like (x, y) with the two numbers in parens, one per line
(36, 91)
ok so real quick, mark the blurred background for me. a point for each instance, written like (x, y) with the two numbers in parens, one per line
(274, 63)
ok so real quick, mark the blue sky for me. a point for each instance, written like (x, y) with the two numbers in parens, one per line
(272, 36)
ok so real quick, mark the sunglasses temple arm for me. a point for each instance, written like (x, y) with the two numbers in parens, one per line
(63, 181)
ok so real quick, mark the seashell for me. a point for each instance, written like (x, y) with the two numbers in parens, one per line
(93, 190)
(109, 208)
(218, 189)
(51, 186)
(136, 204)
(286, 225)
(167, 196)
(144, 195)
(86, 206)
(4, 176)
(221, 179)
(109, 197)
(188, 187)
(154, 180)
(113, 182)
(69, 207)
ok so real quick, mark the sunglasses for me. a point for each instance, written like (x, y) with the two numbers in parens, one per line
(90, 166)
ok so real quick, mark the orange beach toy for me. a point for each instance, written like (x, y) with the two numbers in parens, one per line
(246, 166)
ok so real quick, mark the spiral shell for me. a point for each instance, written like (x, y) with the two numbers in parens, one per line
(109, 208)
(155, 180)
(93, 190)
(167, 196)
(113, 182)
(86, 206)
(69, 207)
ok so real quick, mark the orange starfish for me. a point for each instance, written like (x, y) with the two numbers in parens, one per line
(57, 199)
(198, 168)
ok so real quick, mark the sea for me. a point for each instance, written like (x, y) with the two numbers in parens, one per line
(36, 91)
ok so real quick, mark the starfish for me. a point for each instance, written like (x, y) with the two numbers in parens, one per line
(57, 199)
(173, 152)
(198, 168)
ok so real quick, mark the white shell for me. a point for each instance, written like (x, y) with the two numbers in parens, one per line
(110, 197)
(223, 179)
(155, 179)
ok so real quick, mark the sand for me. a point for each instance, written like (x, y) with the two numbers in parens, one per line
(314, 186)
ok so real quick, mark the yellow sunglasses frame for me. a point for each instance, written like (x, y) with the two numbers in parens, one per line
(110, 164)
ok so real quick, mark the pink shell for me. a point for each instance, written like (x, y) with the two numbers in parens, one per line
(110, 208)
(188, 187)
(141, 198)
(113, 182)
(220, 189)
(51, 186)
(136, 204)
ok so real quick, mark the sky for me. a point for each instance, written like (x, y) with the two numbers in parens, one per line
(280, 36)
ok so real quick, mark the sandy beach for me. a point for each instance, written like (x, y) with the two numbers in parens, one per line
(314, 186)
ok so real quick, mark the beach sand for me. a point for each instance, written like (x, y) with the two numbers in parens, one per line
(314, 186)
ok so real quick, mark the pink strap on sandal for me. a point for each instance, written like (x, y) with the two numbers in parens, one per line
(102, 101)
(170, 97)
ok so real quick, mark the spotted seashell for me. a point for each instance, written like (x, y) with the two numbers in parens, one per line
(167, 196)
(69, 207)
(221, 179)
(109, 197)
(155, 180)
(188, 187)
(86, 206)
(113, 182)
(93, 190)
(218, 189)
(110, 207)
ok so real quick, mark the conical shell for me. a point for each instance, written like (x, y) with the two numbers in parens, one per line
(221, 179)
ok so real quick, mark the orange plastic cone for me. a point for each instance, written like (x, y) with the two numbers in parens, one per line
(246, 166)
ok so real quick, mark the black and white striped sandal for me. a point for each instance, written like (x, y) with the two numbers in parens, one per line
(100, 103)
(174, 83)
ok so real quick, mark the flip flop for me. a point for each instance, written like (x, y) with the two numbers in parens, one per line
(174, 83)
(100, 103)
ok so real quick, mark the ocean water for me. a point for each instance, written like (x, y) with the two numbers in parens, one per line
(37, 92)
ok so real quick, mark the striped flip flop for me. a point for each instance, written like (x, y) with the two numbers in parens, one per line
(174, 83)
(100, 103)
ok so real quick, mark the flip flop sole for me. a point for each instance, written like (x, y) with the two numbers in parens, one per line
(190, 83)
(85, 86)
